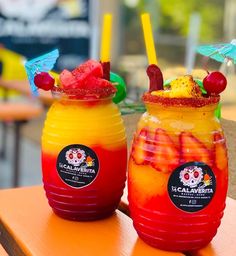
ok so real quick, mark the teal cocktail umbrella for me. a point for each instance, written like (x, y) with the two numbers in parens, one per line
(43, 63)
(219, 52)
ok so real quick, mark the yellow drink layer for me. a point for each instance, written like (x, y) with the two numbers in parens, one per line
(81, 122)
(198, 121)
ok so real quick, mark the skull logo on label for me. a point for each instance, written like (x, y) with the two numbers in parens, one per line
(75, 156)
(191, 176)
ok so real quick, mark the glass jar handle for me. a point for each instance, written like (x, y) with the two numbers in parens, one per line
(120, 86)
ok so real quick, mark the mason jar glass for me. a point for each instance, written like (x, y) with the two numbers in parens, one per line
(178, 173)
(83, 157)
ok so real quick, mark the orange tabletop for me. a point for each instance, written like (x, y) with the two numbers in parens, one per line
(28, 227)
(223, 244)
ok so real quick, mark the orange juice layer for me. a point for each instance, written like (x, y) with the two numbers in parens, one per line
(91, 123)
(176, 119)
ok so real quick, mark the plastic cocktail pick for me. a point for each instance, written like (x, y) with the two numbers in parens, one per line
(219, 52)
(43, 63)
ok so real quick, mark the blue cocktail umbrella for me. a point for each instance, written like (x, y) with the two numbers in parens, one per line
(219, 52)
(43, 63)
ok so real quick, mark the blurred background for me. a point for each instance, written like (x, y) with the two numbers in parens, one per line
(29, 28)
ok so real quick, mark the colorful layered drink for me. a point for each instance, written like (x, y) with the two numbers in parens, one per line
(83, 144)
(178, 169)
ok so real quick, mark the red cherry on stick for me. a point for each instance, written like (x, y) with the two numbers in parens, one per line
(214, 83)
(44, 81)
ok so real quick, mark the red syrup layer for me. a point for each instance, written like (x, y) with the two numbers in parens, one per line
(188, 102)
(97, 200)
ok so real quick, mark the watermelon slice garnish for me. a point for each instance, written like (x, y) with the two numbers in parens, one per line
(86, 81)
(68, 80)
(88, 69)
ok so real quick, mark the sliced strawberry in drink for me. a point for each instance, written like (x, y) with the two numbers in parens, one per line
(220, 153)
(67, 80)
(90, 68)
(193, 149)
(165, 154)
(140, 147)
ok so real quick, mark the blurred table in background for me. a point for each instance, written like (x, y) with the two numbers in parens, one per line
(18, 114)
(23, 88)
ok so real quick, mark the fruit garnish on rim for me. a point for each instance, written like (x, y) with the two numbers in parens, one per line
(181, 87)
(86, 81)
(187, 91)
(44, 80)
(214, 83)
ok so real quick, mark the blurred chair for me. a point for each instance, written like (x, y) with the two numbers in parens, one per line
(12, 68)
(18, 114)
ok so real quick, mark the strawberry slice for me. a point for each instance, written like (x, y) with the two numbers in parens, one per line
(67, 80)
(140, 147)
(165, 154)
(220, 153)
(194, 150)
(90, 68)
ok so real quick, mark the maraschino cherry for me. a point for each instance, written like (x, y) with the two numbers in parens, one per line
(44, 81)
(214, 83)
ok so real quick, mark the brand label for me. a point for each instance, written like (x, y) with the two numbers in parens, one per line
(191, 186)
(77, 165)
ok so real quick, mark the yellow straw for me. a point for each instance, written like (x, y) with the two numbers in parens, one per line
(148, 37)
(105, 53)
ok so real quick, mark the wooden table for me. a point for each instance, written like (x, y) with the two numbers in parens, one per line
(29, 227)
